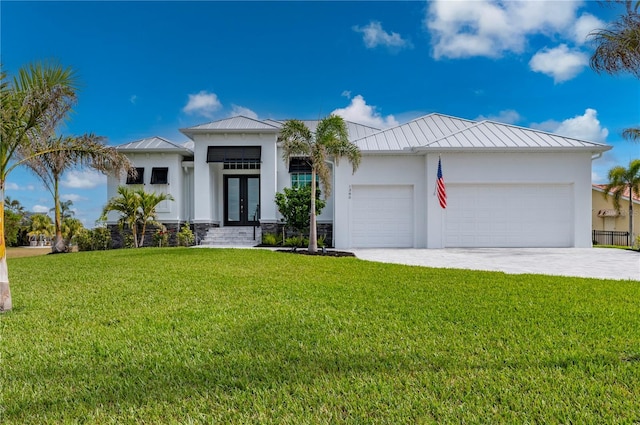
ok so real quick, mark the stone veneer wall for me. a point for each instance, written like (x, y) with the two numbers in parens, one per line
(200, 230)
(117, 234)
(324, 229)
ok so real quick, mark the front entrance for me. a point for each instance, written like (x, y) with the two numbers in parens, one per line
(241, 200)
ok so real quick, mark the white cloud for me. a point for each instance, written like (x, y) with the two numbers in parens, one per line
(241, 110)
(358, 111)
(584, 25)
(84, 179)
(203, 103)
(584, 127)
(133, 99)
(491, 28)
(560, 63)
(373, 36)
(73, 197)
(507, 116)
(15, 186)
(41, 209)
(346, 93)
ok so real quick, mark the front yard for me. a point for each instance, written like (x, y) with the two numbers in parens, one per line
(183, 335)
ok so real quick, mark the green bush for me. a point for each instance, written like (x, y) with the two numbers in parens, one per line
(295, 206)
(98, 239)
(161, 237)
(185, 235)
(296, 241)
(271, 239)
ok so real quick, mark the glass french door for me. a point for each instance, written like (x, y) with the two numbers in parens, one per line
(241, 200)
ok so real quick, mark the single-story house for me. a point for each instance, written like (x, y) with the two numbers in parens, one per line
(606, 219)
(506, 186)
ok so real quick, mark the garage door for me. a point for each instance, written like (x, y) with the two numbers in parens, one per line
(382, 216)
(509, 215)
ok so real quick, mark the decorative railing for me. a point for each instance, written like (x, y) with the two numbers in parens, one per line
(610, 237)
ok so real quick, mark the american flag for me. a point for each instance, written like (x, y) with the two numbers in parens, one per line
(440, 189)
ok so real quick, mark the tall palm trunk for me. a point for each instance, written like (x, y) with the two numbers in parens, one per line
(58, 241)
(5, 290)
(313, 230)
(631, 214)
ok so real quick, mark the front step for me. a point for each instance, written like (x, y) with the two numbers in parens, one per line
(232, 236)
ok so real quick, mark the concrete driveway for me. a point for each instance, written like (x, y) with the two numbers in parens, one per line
(582, 262)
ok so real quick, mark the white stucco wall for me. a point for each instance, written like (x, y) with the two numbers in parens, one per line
(168, 211)
(208, 178)
(572, 168)
(379, 170)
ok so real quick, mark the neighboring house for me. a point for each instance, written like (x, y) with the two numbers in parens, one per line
(507, 186)
(605, 217)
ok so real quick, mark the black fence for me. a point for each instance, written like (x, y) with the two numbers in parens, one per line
(608, 237)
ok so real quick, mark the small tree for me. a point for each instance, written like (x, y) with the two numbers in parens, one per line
(295, 206)
(137, 209)
(41, 227)
(620, 180)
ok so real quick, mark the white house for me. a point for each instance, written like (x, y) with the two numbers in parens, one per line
(507, 186)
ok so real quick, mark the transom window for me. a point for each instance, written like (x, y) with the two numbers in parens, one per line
(138, 178)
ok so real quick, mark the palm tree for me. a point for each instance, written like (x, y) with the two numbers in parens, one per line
(63, 154)
(137, 208)
(126, 204)
(71, 227)
(34, 101)
(618, 49)
(620, 180)
(65, 209)
(330, 140)
(41, 227)
(149, 201)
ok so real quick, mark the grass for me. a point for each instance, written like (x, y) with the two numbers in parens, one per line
(248, 336)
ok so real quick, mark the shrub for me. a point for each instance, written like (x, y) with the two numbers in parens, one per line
(295, 206)
(296, 241)
(98, 239)
(185, 235)
(161, 237)
(271, 239)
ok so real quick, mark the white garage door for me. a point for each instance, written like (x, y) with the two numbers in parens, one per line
(509, 215)
(381, 216)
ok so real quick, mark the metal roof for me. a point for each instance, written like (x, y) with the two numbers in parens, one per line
(494, 135)
(419, 132)
(234, 124)
(155, 144)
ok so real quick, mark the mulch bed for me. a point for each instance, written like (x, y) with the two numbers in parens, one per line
(328, 253)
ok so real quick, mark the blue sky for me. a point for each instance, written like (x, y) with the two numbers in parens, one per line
(149, 68)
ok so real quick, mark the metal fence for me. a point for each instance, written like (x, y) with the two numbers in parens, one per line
(609, 237)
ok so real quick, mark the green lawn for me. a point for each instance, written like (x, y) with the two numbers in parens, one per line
(248, 336)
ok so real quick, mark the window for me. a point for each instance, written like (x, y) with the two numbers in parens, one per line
(159, 175)
(138, 178)
(301, 179)
(300, 169)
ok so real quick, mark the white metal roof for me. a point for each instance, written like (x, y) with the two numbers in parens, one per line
(430, 132)
(494, 135)
(155, 144)
(419, 132)
(236, 124)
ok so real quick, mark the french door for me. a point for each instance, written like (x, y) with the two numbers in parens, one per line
(241, 200)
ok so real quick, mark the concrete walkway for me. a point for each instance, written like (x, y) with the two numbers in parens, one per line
(604, 263)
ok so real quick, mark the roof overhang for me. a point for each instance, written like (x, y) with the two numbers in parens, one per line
(435, 149)
(190, 132)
